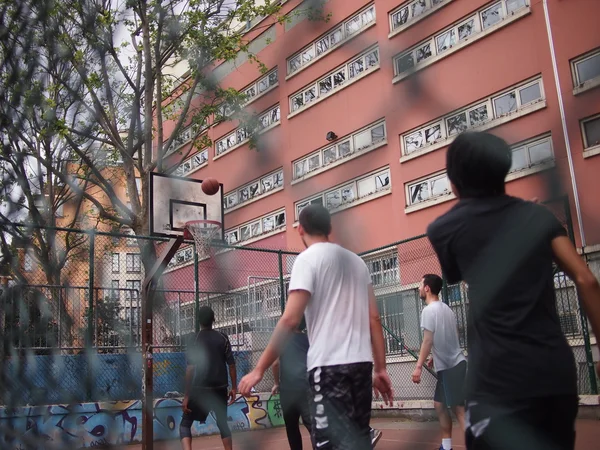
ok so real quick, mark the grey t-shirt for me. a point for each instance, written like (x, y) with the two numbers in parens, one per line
(438, 318)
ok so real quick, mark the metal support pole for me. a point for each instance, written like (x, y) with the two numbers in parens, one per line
(90, 330)
(197, 288)
(147, 341)
(281, 283)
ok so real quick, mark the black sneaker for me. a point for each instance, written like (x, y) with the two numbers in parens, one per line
(375, 436)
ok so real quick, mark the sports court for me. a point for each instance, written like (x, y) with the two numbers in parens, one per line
(397, 435)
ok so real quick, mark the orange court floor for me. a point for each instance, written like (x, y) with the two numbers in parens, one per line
(398, 434)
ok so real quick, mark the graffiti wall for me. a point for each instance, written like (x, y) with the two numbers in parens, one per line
(98, 424)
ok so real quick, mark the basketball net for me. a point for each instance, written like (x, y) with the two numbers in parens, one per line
(203, 232)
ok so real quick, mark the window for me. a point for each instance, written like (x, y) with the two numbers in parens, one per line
(336, 79)
(186, 134)
(115, 263)
(333, 39)
(242, 134)
(391, 310)
(467, 30)
(182, 256)
(255, 189)
(133, 292)
(256, 228)
(384, 270)
(344, 148)
(586, 68)
(427, 189)
(591, 132)
(134, 263)
(413, 11)
(193, 163)
(343, 195)
(480, 114)
(114, 291)
(251, 92)
(28, 262)
(531, 154)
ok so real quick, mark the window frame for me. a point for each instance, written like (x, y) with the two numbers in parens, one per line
(352, 184)
(383, 274)
(527, 145)
(339, 158)
(136, 263)
(586, 144)
(345, 37)
(261, 228)
(577, 84)
(193, 163)
(260, 191)
(428, 179)
(316, 96)
(118, 265)
(412, 20)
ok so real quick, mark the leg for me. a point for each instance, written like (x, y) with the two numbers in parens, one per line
(445, 420)
(219, 406)
(291, 417)
(459, 412)
(185, 432)
(362, 392)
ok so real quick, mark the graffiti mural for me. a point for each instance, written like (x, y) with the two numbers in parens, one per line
(98, 424)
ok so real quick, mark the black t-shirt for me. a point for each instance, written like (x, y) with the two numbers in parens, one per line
(501, 247)
(292, 363)
(209, 352)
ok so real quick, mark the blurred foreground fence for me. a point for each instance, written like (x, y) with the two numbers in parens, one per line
(72, 333)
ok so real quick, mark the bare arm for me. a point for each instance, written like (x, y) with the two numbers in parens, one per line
(569, 260)
(377, 340)
(426, 347)
(275, 370)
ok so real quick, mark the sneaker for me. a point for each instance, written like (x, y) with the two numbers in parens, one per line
(442, 447)
(375, 436)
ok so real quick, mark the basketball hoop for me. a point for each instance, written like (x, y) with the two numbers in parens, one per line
(203, 232)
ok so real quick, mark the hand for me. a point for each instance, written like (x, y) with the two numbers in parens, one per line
(430, 363)
(382, 385)
(275, 389)
(232, 395)
(249, 381)
(184, 405)
(416, 376)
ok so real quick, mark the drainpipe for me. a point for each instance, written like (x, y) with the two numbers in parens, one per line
(564, 126)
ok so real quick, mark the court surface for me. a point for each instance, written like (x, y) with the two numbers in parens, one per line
(397, 435)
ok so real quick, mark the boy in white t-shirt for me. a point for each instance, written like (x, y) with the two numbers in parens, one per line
(440, 337)
(332, 287)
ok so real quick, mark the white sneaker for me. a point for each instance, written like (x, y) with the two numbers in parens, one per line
(375, 436)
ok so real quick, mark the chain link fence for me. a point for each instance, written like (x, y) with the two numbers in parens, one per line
(72, 332)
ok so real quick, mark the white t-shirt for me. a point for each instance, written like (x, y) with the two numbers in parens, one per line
(439, 318)
(337, 315)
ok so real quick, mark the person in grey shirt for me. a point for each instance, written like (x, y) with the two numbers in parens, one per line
(440, 337)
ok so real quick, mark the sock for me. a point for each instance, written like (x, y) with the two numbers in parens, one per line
(447, 444)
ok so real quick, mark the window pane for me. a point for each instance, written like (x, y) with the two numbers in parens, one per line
(505, 104)
(273, 78)
(405, 63)
(297, 102)
(440, 187)
(333, 199)
(367, 16)
(423, 52)
(353, 25)
(466, 29)
(457, 124)
(513, 5)
(245, 233)
(592, 132)
(336, 36)
(295, 63)
(400, 18)
(308, 55)
(322, 45)
(366, 187)
(478, 116)
(372, 58)
(418, 8)
(530, 93)
(325, 86)
(310, 95)
(362, 140)
(378, 133)
(344, 148)
(268, 223)
(329, 155)
(280, 219)
(446, 40)
(419, 192)
(356, 67)
(414, 141)
(263, 85)
(339, 78)
(382, 180)
(588, 69)
(492, 16)
(541, 152)
(314, 162)
(348, 194)
(267, 183)
(433, 134)
(519, 159)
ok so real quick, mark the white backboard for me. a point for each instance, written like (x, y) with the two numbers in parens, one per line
(176, 200)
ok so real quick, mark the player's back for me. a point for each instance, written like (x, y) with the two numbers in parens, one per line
(337, 316)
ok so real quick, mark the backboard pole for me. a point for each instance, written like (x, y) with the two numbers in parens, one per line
(147, 341)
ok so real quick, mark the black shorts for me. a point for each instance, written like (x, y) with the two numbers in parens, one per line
(546, 423)
(450, 387)
(341, 406)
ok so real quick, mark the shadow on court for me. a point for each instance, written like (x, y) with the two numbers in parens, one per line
(397, 435)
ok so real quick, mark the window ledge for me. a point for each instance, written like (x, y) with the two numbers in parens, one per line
(360, 201)
(587, 86)
(330, 50)
(406, 26)
(236, 146)
(429, 203)
(530, 170)
(429, 61)
(339, 162)
(486, 126)
(254, 199)
(333, 92)
(591, 151)
(276, 231)
(201, 166)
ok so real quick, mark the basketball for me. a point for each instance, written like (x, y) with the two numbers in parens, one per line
(210, 186)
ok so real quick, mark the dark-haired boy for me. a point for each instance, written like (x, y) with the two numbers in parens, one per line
(522, 379)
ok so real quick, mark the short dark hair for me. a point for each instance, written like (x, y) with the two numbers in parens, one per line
(477, 164)
(206, 316)
(433, 282)
(315, 220)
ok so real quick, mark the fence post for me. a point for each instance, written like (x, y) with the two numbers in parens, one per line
(281, 283)
(90, 330)
(197, 293)
(445, 297)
